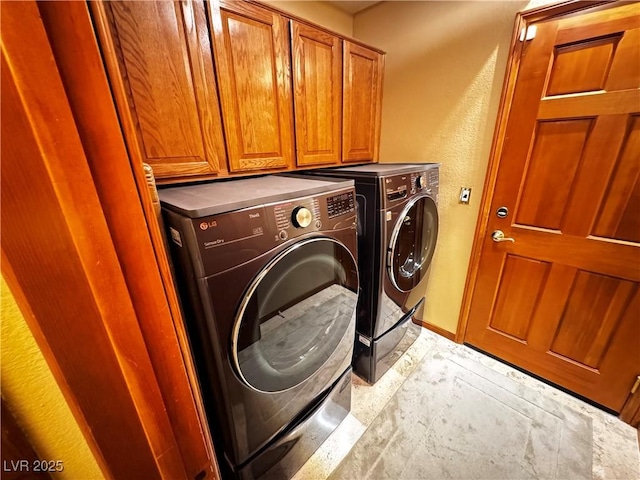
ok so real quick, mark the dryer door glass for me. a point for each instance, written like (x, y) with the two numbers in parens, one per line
(413, 243)
(295, 314)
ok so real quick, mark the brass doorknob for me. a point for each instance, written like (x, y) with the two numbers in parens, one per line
(498, 236)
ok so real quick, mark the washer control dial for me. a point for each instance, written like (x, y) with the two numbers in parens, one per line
(421, 181)
(301, 217)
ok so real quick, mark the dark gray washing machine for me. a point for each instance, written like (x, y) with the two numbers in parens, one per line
(397, 235)
(267, 273)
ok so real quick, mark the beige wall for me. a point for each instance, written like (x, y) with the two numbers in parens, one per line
(445, 65)
(33, 396)
(320, 13)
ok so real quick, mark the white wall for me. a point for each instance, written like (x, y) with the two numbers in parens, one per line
(445, 66)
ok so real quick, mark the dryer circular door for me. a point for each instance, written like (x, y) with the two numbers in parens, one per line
(295, 315)
(413, 242)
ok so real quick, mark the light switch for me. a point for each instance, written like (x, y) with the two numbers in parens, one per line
(465, 195)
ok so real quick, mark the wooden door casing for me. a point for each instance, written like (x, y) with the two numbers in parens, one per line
(61, 265)
(164, 56)
(253, 66)
(362, 104)
(317, 81)
(563, 301)
(137, 238)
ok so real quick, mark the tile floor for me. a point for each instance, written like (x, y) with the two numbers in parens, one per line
(615, 444)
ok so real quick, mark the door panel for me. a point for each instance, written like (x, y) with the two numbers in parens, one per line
(562, 299)
(619, 216)
(625, 68)
(552, 167)
(171, 89)
(317, 80)
(568, 74)
(592, 312)
(521, 284)
(362, 103)
(253, 69)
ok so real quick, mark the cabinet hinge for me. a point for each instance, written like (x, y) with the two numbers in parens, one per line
(635, 385)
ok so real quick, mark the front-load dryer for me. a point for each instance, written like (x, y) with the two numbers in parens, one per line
(267, 273)
(397, 234)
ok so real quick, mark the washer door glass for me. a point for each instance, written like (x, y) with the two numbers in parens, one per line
(413, 243)
(295, 314)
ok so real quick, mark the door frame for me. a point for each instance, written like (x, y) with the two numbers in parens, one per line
(522, 21)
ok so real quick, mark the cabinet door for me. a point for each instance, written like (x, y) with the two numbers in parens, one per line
(165, 60)
(254, 74)
(317, 82)
(362, 103)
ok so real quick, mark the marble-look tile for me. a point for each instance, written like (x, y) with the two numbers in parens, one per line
(332, 451)
(615, 449)
(369, 400)
(447, 421)
(415, 353)
(612, 445)
(615, 444)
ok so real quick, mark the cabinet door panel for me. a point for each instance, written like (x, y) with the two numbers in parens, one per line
(317, 80)
(362, 103)
(165, 57)
(253, 68)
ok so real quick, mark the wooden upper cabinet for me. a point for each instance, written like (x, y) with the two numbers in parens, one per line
(363, 70)
(251, 46)
(212, 93)
(167, 79)
(317, 85)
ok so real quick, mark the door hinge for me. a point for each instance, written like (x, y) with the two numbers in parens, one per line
(635, 385)
(528, 33)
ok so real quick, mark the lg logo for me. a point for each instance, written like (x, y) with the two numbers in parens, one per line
(205, 225)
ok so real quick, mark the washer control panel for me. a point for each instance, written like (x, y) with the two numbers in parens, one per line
(398, 188)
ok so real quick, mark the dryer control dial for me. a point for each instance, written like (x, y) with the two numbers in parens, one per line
(301, 217)
(421, 181)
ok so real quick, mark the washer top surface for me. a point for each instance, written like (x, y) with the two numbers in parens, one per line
(202, 200)
(383, 169)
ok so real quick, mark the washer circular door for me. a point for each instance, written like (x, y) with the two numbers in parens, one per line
(295, 314)
(413, 242)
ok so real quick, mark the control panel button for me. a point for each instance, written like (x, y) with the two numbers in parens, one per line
(340, 204)
(301, 217)
(283, 235)
(318, 224)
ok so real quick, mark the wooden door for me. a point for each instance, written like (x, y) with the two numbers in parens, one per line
(362, 103)
(254, 75)
(164, 57)
(562, 300)
(317, 81)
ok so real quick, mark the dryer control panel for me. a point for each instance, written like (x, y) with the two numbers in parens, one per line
(340, 204)
(252, 231)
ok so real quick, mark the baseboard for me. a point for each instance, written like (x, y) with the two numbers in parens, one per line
(439, 330)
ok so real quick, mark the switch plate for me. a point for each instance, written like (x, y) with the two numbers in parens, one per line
(465, 195)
